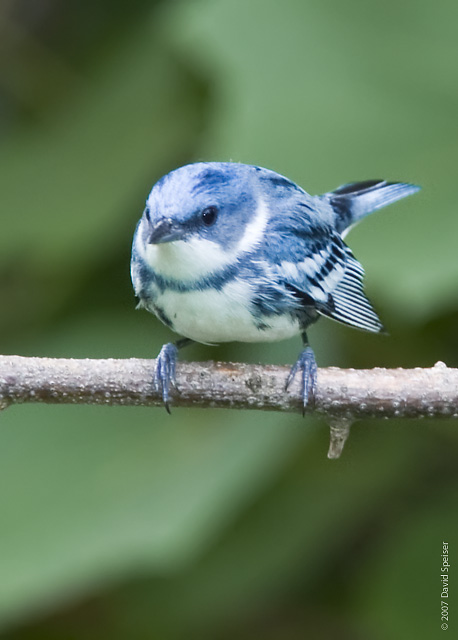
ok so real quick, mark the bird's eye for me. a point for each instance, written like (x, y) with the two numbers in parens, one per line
(209, 215)
(147, 214)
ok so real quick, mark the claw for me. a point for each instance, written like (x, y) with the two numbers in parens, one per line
(165, 372)
(306, 363)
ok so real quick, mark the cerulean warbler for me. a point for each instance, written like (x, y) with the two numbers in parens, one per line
(234, 252)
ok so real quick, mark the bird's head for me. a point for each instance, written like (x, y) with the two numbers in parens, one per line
(200, 217)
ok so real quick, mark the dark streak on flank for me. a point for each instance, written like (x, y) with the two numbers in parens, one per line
(162, 316)
(304, 297)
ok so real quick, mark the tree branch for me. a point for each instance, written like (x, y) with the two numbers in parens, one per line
(343, 395)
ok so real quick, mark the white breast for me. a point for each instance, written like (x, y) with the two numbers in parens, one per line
(213, 316)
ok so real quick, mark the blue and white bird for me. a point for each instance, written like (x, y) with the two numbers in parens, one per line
(233, 252)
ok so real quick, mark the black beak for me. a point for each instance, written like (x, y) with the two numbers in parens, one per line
(164, 230)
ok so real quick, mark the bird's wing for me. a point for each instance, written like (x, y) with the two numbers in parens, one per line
(322, 272)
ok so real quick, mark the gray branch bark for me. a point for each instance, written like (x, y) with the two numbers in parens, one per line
(343, 395)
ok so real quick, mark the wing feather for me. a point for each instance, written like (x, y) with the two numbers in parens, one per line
(351, 306)
(332, 278)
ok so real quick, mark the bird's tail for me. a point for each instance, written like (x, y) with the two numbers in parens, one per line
(351, 202)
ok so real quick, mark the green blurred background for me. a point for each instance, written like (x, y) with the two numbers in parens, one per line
(129, 523)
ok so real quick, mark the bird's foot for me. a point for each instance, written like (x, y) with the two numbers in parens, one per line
(165, 372)
(306, 364)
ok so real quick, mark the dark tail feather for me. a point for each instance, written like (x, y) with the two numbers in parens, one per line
(351, 202)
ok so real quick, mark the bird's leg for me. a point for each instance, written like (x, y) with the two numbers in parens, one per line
(306, 364)
(165, 369)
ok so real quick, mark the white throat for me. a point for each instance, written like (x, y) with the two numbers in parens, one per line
(194, 258)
